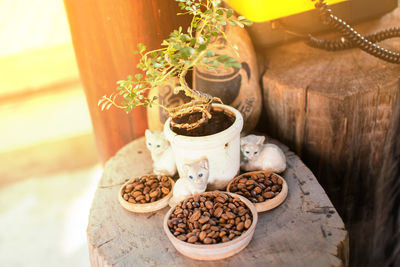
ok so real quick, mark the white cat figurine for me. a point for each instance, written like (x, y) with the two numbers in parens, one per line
(258, 156)
(161, 153)
(194, 181)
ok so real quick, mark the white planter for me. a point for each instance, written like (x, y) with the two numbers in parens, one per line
(221, 149)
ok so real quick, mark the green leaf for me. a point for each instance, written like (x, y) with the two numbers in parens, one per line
(141, 47)
(227, 64)
(229, 13)
(222, 58)
(202, 47)
(236, 65)
(138, 76)
(247, 22)
(239, 24)
(215, 63)
(232, 22)
(210, 53)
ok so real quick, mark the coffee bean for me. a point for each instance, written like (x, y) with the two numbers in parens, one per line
(255, 186)
(268, 195)
(241, 186)
(205, 227)
(247, 223)
(182, 237)
(146, 189)
(195, 216)
(230, 215)
(210, 222)
(136, 194)
(165, 190)
(240, 226)
(218, 212)
(192, 239)
(140, 197)
(209, 205)
(258, 190)
(203, 219)
(154, 193)
(220, 199)
(214, 228)
(228, 226)
(249, 182)
(275, 188)
(202, 235)
(128, 188)
(181, 225)
(178, 229)
(139, 187)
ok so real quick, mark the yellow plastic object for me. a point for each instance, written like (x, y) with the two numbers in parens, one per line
(263, 10)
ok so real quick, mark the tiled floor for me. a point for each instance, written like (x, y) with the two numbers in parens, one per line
(43, 220)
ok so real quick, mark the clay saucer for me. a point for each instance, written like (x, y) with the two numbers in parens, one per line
(145, 207)
(268, 204)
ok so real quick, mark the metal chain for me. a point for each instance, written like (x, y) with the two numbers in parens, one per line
(351, 38)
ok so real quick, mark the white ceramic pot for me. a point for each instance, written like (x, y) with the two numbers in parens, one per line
(221, 149)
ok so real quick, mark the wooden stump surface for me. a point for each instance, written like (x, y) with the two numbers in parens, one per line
(305, 230)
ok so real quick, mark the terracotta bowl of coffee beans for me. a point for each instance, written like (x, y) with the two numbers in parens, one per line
(266, 190)
(211, 225)
(146, 194)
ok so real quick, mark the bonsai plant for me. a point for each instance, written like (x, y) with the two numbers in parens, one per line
(180, 53)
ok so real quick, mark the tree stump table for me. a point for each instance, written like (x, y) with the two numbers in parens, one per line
(305, 230)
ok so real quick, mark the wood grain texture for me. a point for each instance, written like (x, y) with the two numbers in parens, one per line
(304, 231)
(334, 110)
(105, 33)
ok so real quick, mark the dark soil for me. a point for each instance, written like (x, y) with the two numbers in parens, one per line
(219, 121)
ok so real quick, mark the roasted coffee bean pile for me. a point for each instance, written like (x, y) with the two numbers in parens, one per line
(210, 218)
(147, 189)
(257, 187)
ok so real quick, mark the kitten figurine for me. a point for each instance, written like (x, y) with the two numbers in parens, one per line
(161, 153)
(258, 156)
(193, 181)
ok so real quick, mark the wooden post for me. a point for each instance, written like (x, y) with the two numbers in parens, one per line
(335, 110)
(105, 33)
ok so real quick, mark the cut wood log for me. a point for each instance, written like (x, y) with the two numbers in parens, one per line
(334, 110)
(305, 230)
(105, 34)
